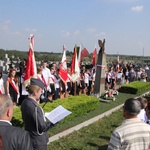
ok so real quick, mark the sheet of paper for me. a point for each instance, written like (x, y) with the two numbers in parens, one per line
(57, 114)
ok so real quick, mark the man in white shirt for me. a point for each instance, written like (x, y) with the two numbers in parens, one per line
(46, 75)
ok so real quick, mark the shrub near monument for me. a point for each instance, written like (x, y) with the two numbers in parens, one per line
(135, 87)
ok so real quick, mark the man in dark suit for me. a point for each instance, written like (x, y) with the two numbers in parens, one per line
(12, 138)
(33, 116)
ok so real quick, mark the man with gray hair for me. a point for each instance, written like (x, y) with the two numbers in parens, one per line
(11, 138)
(133, 134)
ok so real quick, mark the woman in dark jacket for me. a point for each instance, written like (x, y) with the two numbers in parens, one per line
(33, 116)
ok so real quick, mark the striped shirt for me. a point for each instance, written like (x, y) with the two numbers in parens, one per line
(133, 134)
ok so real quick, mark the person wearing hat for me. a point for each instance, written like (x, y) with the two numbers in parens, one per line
(33, 116)
(133, 134)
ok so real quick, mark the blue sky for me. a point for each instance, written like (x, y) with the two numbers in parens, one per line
(124, 24)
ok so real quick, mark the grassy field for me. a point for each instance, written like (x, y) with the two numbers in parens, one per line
(93, 137)
(103, 107)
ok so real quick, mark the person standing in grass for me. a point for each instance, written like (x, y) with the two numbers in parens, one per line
(133, 134)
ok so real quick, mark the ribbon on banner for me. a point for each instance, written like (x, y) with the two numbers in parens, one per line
(101, 66)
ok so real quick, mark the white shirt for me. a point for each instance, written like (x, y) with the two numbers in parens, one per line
(139, 74)
(1, 84)
(6, 121)
(52, 78)
(57, 81)
(86, 78)
(46, 74)
(142, 115)
(23, 92)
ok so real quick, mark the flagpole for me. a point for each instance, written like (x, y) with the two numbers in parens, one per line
(75, 89)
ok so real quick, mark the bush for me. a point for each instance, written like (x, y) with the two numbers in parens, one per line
(135, 87)
(78, 105)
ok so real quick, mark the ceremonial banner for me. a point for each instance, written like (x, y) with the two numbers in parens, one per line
(30, 70)
(75, 70)
(84, 53)
(94, 57)
(63, 66)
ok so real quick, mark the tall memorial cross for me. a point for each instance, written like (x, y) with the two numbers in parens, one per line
(99, 87)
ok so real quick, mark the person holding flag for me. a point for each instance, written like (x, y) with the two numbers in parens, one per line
(63, 66)
(63, 74)
(75, 71)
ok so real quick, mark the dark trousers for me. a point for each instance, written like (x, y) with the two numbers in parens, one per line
(89, 88)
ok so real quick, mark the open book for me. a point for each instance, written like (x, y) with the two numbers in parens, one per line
(57, 114)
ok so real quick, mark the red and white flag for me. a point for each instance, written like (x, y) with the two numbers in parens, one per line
(118, 64)
(75, 70)
(30, 70)
(94, 56)
(84, 53)
(63, 66)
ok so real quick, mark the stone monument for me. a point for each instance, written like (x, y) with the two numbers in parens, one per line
(99, 87)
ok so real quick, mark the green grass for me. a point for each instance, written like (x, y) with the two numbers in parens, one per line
(102, 107)
(94, 137)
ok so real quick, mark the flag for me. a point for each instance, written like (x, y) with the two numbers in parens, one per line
(73, 62)
(30, 70)
(118, 64)
(79, 55)
(84, 53)
(75, 70)
(94, 57)
(63, 66)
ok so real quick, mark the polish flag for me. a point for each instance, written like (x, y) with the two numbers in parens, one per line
(94, 56)
(30, 70)
(63, 66)
(84, 53)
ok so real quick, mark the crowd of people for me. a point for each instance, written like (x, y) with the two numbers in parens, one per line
(124, 75)
(48, 86)
(56, 88)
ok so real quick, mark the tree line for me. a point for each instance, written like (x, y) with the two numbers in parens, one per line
(51, 56)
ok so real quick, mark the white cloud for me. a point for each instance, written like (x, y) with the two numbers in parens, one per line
(102, 34)
(137, 8)
(33, 30)
(65, 33)
(91, 30)
(77, 32)
(5, 28)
